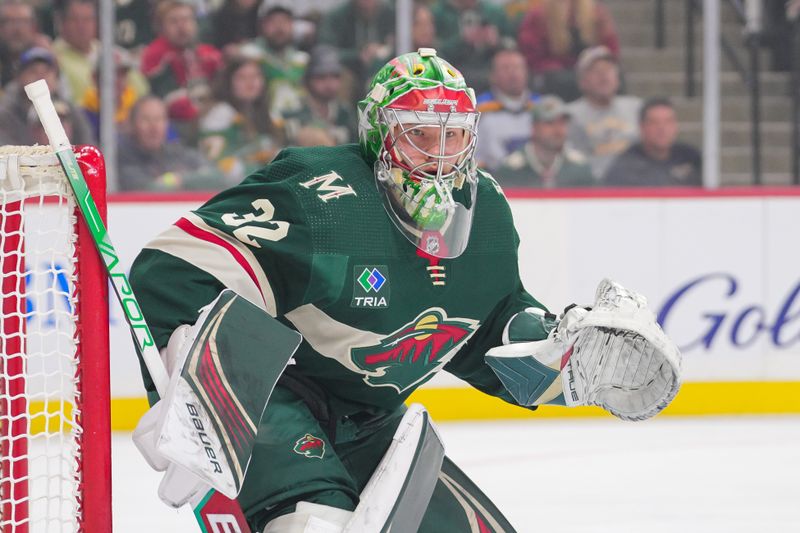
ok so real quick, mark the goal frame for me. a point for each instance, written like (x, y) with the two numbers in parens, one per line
(93, 401)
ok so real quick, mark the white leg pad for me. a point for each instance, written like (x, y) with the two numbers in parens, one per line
(310, 518)
(399, 491)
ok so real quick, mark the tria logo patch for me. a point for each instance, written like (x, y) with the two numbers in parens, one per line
(414, 352)
(370, 286)
(310, 446)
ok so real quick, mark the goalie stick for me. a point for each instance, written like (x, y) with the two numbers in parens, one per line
(227, 515)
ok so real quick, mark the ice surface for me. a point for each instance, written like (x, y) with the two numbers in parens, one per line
(693, 475)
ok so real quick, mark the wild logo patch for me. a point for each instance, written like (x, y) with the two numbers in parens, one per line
(371, 286)
(310, 446)
(415, 351)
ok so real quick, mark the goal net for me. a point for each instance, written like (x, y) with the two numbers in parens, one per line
(54, 395)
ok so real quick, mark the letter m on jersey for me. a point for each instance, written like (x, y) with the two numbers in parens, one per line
(327, 188)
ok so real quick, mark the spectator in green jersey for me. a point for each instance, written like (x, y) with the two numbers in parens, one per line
(546, 161)
(283, 64)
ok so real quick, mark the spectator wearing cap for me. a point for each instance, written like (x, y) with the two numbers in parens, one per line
(179, 68)
(18, 32)
(553, 34)
(603, 124)
(283, 64)
(321, 105)
(657, 160)
(237, 132)
(148, 162)
(363, 31)
(470, 32)
(34, 64)
(78, 49)
(125, 93)
(505, 109)
(546, 161)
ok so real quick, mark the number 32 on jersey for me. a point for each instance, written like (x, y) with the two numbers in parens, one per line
(247, 230)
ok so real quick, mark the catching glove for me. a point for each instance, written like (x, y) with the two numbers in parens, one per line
(613, 355)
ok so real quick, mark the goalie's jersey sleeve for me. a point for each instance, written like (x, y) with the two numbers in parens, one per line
(307, 238)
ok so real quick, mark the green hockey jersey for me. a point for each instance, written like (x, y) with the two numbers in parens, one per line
(307, 238)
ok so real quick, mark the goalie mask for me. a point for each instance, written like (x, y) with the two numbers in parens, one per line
(418, 124)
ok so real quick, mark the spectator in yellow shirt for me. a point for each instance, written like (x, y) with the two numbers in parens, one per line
(125, 94)
(77, 47)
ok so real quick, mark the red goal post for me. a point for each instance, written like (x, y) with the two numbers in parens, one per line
(55, 452)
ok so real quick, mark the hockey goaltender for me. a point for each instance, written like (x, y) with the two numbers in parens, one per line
(394, 259)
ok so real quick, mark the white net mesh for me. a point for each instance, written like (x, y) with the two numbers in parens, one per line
(40, 432)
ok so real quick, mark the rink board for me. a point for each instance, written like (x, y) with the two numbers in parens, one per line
(719, 269)
(465, 403)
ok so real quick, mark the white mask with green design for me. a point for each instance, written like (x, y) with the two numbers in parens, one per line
(419, 125)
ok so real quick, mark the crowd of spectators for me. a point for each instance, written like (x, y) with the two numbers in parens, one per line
(209, 90)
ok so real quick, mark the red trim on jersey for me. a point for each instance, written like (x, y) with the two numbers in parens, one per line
(207, 236)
